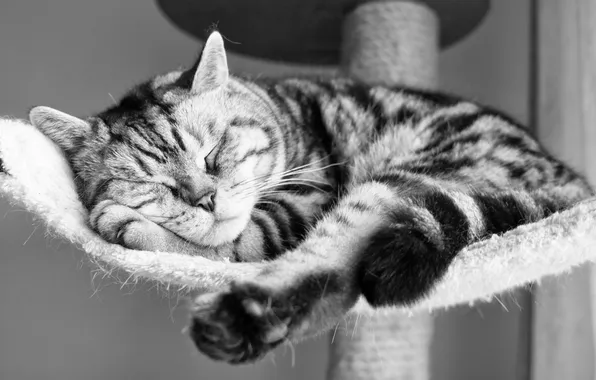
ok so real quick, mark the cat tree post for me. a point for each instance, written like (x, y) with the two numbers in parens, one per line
(389, 42)
(392, 43)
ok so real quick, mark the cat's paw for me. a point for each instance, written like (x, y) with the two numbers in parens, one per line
(122, 225)
(243, 324)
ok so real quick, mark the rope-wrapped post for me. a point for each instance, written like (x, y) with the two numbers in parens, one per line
(390, 43)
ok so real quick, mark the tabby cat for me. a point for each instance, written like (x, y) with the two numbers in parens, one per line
(334, 189)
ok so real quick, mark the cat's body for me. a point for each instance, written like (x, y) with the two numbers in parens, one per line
(354, 190)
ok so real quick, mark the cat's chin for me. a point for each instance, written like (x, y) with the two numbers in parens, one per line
(225, 230)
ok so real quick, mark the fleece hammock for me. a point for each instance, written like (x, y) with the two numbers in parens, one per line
(36, 177)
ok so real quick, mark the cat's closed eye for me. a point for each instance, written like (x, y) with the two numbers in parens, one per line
(174, 190)
(210, 165)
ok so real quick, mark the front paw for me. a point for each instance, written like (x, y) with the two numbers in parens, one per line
(242, 324)
(122, 225)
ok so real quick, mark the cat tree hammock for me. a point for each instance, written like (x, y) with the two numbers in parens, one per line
(390, 42)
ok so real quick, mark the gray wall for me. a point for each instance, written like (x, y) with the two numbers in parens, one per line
(58, 323)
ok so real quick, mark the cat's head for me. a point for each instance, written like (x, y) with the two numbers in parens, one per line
(197, 140)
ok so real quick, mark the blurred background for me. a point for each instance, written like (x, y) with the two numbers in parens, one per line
(57, 322)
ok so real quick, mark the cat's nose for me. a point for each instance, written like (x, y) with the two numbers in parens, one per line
(206, 202)
(198, 196)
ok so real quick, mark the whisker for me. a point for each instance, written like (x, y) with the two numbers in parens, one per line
(311, 163)
(307, 170)
(302, 169)
(274, 186)
(304, 180)
(252, 186)
(262, 194)
(293, 182)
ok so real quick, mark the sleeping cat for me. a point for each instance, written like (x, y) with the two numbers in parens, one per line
(334, 189)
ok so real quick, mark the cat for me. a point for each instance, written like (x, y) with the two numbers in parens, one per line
(336, 191)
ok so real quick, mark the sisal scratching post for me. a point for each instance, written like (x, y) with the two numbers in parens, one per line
(392, 43)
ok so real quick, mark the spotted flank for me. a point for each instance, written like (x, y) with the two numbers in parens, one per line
(341, 190)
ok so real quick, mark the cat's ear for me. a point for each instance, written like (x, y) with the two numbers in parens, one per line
(62, 128)
(212, 67)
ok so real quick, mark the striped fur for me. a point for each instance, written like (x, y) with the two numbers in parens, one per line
(352, 189)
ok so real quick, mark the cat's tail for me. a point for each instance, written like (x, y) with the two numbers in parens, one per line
(407, 257)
